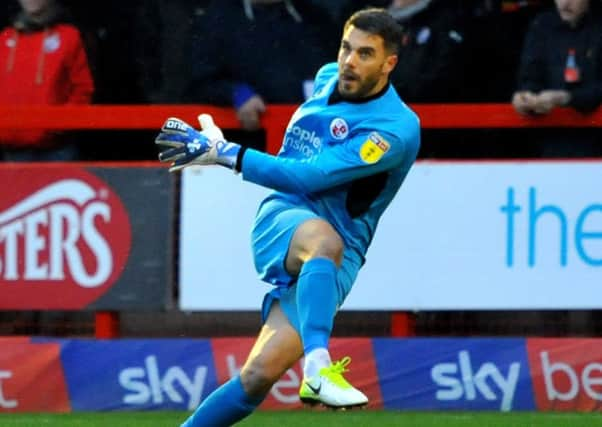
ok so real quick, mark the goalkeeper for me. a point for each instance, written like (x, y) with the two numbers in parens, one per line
(345, 154)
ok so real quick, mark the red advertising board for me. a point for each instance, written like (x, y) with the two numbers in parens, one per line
(31, 377)
(566, 373)
(65, 238)
(231, 353)
(74, 237)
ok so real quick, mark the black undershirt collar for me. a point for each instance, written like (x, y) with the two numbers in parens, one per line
(336, 96)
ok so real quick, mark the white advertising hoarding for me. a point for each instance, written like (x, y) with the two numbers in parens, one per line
(459, 235)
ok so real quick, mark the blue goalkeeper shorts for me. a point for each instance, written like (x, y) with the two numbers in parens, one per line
(275, 225)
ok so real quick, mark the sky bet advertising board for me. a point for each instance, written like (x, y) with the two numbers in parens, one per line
(75, 237)
(458, 235)
(413, 374)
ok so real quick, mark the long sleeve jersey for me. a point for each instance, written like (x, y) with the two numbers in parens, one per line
(342, 160)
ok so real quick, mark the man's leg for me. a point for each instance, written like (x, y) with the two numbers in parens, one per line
(276, 349)
(315, 253)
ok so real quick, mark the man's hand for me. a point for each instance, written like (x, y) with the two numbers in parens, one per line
(250, 113)
(186, 146)
(540, 103)
(547, 100)
(524, 102)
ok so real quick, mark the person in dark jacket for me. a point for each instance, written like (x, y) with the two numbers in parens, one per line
(432, 51)
(561, 62)
(254, 52)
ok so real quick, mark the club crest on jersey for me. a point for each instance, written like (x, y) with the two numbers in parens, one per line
(52, 43)
(374, 148)
(339, 128)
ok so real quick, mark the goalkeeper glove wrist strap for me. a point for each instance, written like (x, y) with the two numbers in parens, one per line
(239, 156)
(227, 154)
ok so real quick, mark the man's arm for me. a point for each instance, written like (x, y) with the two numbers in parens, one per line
(209, 75)
(367, 153)
(357, 158)
(587, 97)
(531, 66)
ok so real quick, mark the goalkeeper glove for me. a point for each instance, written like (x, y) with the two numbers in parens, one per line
(186, 146)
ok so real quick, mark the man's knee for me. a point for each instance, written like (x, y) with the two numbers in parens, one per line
(329, 245)
(317, 239)
(261, 373)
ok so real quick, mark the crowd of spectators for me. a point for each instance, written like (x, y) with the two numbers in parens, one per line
(249, 54)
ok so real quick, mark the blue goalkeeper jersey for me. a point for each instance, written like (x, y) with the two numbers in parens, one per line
(343, 160)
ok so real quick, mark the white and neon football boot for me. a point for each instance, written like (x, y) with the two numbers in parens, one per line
(331, 389)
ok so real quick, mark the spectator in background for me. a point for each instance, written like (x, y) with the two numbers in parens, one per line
(118, 44)
(432, 51)
(164, 73)
(340, 10)
(42, 62)
(561, 62)
(108, 28)
(254, 52)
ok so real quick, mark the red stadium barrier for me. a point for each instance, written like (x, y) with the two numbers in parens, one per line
(274, 121)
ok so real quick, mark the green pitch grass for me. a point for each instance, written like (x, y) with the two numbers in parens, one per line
(307, 418)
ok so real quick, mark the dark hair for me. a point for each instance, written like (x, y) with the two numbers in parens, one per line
(379, 22)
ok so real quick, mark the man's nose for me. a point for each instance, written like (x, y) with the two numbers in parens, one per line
(351, 59)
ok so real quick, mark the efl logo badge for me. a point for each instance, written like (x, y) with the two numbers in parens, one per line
(374, 148)
(339, 128)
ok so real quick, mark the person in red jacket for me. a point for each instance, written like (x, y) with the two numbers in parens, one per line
(42, 62)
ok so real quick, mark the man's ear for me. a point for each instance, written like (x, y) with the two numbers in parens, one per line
(390, 63)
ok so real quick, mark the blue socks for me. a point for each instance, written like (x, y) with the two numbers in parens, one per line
(316, 302)
(316, 305)
(224, 407)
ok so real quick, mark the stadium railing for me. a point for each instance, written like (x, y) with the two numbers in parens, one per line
(274, 121)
